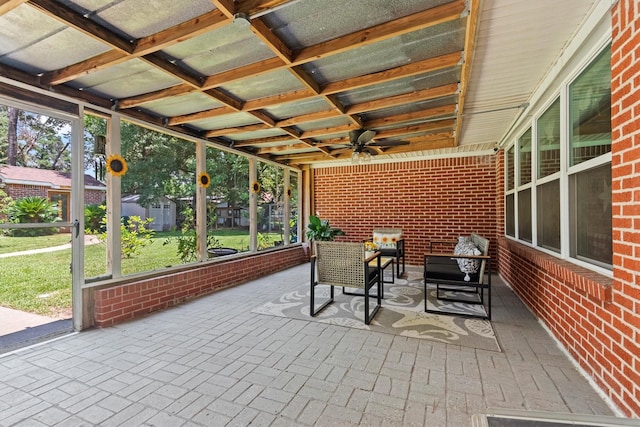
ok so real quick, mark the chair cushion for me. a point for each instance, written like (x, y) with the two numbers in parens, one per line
(439, 268)
(386, 240)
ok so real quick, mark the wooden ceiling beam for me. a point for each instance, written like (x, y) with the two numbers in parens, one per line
(277, 46)
(236, 130)
(282, 148)
(436, 113)
(421, 67)
(311, 117)
(270, 101)
(263, 117)
(248, 71)
(202, 115)
(254, 7)
(91, 65)
(68, 16)
(426, 127)
(9, 5)
(146, 45)
(263, 141)
(189, 29)
(430, 17)
(328, 131)
(135, 101)
(226, 7)
(469, 50)
(406, 98)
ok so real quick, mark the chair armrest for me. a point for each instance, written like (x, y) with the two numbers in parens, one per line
(372, 257)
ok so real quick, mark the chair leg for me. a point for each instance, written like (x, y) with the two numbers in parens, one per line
(369, 317)
(312, 310)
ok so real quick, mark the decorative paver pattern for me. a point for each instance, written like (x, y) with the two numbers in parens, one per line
(212, 362)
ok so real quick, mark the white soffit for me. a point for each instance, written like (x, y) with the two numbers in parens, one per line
(517, 43)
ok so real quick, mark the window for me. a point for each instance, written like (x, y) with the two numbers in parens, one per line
(548, 217)
(561, 188)
(524, 158)
(524, 215)
(548, 132)
(590, 111)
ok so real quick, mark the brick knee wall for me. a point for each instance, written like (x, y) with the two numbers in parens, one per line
(123, 302)
(579, 307)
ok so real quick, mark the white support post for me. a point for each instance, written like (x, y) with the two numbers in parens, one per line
(286, 215)
(253, 206)
(201, 202)
(77, 213)
(114, 197)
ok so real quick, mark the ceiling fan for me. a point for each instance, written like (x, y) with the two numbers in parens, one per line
(361, 143)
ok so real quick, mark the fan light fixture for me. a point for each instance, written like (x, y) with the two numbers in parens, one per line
(360, 157)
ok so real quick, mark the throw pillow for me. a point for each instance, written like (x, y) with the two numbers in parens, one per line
(466, 247)
(386, 240)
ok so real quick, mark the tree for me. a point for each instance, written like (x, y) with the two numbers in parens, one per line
(12, 136)
(34, 140)
(229, 176)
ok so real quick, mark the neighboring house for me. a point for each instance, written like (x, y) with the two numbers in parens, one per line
(19, 182)
(163, 211)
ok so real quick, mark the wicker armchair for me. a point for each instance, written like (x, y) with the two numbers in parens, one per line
(344, 264)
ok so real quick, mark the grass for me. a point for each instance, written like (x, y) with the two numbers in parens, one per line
(41, 283)
(18, 244)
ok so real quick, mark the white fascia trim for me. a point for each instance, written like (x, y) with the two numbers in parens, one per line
(374, 161)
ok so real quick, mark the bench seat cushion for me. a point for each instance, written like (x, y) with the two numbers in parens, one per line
(446, 269)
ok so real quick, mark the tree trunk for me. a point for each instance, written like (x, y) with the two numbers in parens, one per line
(12, 136)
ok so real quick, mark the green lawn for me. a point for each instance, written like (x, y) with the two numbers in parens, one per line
(41, 283)
(18, 244)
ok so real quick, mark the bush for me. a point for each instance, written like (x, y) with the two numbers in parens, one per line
(134, 235)
(94, 218)
(33, 209)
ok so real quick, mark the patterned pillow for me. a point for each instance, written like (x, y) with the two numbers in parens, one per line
(465, 246)
(386, 240)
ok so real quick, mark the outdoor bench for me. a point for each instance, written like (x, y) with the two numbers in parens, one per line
(459, 276)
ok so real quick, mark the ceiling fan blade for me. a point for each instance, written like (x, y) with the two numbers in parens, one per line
(353, 136)
(366, 136)
(390, 143)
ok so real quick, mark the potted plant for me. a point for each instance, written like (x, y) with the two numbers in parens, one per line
(319, 229)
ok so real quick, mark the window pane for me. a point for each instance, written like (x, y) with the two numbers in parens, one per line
(590, 109)
(510, 168)
(549, 141)
(524, 215)
(228, 202)
(270, 205)
(548, 217)
(293, 205)
(158, 200)
(591, 215)
(510, 223)
(524, 158)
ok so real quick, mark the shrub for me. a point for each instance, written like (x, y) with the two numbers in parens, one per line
(33, 209)
(134, 235)
(94, 218)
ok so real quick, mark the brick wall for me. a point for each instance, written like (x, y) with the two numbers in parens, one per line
(18, 191)
(624, 376)
(597, 318)
(436, 199)
(123, 302)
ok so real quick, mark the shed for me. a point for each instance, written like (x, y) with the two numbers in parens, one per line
(163, 211)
